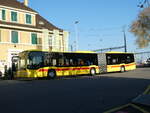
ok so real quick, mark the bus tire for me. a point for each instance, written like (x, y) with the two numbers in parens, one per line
(122, 69)
(51, 74)
(92, 72)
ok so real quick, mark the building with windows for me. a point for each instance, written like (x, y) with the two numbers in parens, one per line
(22, 28)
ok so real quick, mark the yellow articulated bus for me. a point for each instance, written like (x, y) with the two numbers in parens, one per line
(116, 61)
(39, 64)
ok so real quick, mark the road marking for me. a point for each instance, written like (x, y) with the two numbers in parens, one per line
(147, 91)
(117, 108)
(144, 111)
(124, 109)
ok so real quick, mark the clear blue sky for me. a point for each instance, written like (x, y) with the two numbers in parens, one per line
(100, 21)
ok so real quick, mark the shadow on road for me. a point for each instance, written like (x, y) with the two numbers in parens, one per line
(69, 95)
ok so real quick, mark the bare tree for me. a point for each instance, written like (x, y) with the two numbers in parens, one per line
(141, 28)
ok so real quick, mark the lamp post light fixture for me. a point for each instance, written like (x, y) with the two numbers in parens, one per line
(76, 35)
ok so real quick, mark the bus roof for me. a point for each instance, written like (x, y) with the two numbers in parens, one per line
(60, 52)
(84, 52)
(117, 52)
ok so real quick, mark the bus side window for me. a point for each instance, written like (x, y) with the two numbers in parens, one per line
(54, 62)
(128, 60)
(66, 63)
(47, 60)
(75, 62)
(60, 62)
(122, 58)
(88, 63)
(82, 63)
(113, 61)
(109, 60)
(71, 62)
(79, 62)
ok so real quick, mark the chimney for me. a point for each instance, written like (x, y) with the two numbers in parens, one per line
(26, 2)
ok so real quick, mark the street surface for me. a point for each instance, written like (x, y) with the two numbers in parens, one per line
(83, 94)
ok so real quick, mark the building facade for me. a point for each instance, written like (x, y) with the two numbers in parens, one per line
(22, 28)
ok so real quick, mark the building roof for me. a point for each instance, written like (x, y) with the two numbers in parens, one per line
(40, 24)
(40, 21)
(43, 23)
(15, 4)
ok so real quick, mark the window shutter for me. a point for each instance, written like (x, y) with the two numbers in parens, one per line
(14, 16)
(14, 37)
(3, 15)
(28, 19)
(0, 35)
(34, 38)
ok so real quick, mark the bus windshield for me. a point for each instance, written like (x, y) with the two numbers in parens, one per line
(35, 60)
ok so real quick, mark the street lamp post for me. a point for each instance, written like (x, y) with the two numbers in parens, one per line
(76, 35)
(125, 40)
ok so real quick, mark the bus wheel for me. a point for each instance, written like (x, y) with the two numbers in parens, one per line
(122, 69)
(92, 72)
(51, 74)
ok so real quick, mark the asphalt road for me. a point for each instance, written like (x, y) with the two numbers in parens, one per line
(73, 95)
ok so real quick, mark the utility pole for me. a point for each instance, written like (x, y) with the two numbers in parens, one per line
(125, 40)
(71, 48)
(76, 35)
